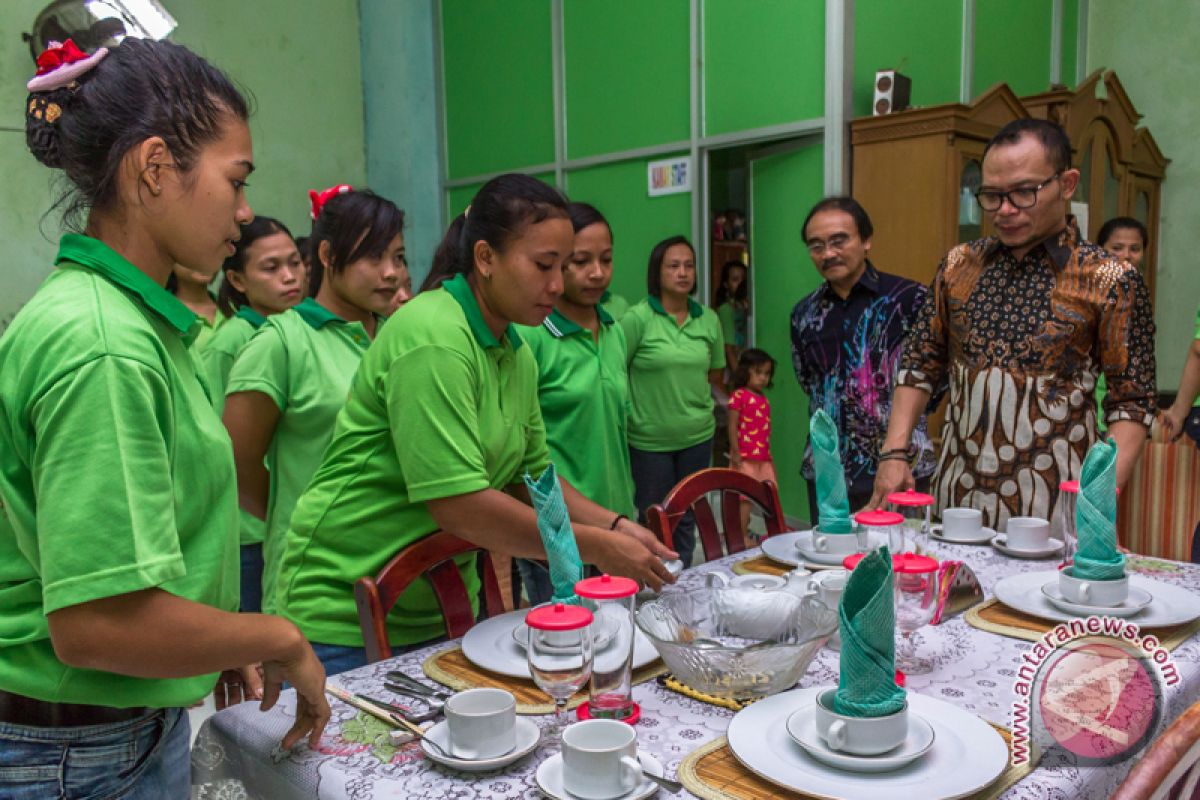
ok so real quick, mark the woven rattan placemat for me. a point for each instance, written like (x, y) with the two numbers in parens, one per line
(995, 617)
(451, 668)
(714, 773)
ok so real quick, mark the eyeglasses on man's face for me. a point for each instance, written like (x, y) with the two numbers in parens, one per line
(836, 242)
(1022, 197)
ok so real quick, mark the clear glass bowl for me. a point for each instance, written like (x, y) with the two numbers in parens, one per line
(737, 644)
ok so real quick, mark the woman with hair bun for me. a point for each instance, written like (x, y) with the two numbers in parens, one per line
(290, 381)
(119, 541)
(442, 418)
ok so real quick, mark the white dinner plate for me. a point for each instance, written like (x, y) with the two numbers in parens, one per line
(528, 735)
(802, 727)
(1053, 548)
(782, 548)
(984, 536)
(967, 753)
(1171, 605)
(490, 645)
(550, 778)
(1137, 600)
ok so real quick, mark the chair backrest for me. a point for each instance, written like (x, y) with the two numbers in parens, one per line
(692, 494)
(1171, 767)
(431, 558)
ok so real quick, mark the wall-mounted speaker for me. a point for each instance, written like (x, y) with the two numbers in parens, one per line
(892, 92)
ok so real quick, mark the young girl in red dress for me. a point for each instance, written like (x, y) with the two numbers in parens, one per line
(750, 420)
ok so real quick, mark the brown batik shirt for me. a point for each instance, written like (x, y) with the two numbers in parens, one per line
(1021, 345)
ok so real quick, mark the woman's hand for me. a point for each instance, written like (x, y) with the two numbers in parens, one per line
(633, 553)
(1172, 421)
(238, 686)
(306, 673)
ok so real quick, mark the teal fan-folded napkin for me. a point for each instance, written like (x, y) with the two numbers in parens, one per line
(867, 623)
(833, 504)
(1096, 517)
(554, 524)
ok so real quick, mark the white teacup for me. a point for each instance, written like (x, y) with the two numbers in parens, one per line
(1027, 533)
(1107, 594)
(962, 523)
(600, 759)
(830, 585)
(860, 736)
(799, 582)
(834, 543)
(481, 723)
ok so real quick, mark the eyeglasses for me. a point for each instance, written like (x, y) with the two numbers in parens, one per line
(836, 242)
(1024, 197)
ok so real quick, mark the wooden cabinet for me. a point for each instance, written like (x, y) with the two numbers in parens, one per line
(916, 171)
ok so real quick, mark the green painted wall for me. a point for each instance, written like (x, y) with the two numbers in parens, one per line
(1151, 46)
(1012, 44)
(763, 63)
(638, 221)
(612, 47)
(784, 188)
(499, 85)
(1070, 42)
(921, 40)
(302, 71)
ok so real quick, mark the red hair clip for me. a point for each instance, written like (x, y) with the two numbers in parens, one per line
(319, 199)
(59, 64)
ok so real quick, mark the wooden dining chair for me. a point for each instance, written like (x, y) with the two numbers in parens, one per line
(691, 494)
(1170, 768)
(432, 559)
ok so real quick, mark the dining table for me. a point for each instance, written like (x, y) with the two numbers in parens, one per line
(236, 752)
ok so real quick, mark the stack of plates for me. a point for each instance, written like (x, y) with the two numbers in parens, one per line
(1151, 603)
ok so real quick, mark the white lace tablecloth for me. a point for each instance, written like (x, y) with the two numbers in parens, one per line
(232, 756)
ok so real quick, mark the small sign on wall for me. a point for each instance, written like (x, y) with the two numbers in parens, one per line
(669, 176)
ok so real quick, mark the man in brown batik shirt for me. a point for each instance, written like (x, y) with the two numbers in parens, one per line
(1020, 326)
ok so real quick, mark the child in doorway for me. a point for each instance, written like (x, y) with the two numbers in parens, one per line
(750, 420)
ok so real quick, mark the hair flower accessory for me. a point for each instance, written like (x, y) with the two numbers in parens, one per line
(319, 199)
(60, 64)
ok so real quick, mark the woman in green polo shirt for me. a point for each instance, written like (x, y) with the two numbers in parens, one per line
(263, 277)
(118, 545)
(290, 380)
(193, 288)
(676, 358)
(442, 417)
(583, 388)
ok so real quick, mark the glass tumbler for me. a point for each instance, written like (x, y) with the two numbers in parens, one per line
(611, 600)
(876, 527)
(916, 508)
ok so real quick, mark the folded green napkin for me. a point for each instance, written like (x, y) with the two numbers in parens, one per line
(554, 524)
(1097, 558)
(833, 504)
(867, 681)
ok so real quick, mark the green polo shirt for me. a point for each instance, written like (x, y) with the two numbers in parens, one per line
(668, 375)
(439, 408)
(223, 347)
(208, 330)
(217, 359)
(115, 473)
(615, 305)
(304, 360)
(583, 389)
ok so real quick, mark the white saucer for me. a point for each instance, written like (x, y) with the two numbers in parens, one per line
(967, 754)
(600, 639)
(528, 736)
(1137, 600)
(1173, 605)
(984, 536)
(802, 727)
(550, 778)
(490, 645)
(1052, 549)
(803, 546)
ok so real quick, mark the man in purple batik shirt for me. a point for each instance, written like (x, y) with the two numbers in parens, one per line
(847, 339)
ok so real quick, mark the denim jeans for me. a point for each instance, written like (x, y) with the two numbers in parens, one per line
(655, 475)
(252, 572)
(143, 759)
(535, 577)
